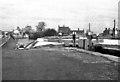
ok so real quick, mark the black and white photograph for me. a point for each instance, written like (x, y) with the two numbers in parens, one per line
(60, 40)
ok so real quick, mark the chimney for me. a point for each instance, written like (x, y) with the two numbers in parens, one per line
(89, 27)
(78, 29)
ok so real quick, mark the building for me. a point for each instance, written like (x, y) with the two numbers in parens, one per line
(119, 19)
(107, 31)
(64, 30)
(16, 33)
(78, 32)
(111, 33)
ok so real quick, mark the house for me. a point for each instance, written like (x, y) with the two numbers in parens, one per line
(78, 32)
(5, 33)
(18, 32)
(64, 30)
(111, 33)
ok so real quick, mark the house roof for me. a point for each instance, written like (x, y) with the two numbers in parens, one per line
(63, 27)
(77, 31)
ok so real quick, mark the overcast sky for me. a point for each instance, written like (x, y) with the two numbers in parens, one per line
(72, 13)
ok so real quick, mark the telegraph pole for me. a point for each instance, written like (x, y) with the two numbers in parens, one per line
(89, 27)
(114, 29)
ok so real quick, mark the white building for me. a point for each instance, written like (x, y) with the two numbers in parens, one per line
(16, 33)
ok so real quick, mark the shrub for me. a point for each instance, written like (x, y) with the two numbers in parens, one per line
(47, 32)
(50, 32)
(36, 35)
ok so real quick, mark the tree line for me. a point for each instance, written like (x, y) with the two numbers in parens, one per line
(41, 31)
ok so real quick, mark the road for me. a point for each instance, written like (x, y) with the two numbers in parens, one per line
(55, 63)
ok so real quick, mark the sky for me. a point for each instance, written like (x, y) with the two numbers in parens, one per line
(73, 13)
